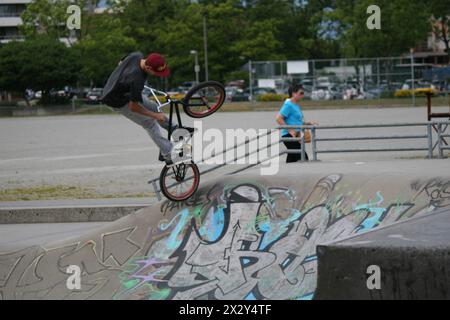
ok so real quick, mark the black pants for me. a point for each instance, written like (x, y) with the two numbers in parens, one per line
(293, 157)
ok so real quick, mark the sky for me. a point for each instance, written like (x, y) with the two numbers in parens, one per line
(101, 4)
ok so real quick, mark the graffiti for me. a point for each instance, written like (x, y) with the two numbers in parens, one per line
(437, 190)
(118, 246)
(241, 241)
(38, 273)
(259, 245)
(197, 200)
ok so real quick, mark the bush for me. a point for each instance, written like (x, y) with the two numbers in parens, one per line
(422, 92)
(419, 92)
(40, 63)
(163, 99)
(272, 97)
(401, 93)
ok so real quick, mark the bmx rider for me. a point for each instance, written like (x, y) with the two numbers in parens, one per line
(123, 92)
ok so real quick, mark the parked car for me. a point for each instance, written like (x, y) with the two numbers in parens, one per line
(93, 96)
(323, 93)
(407, 85)
(239, 95)
(236, 83)
(307, 82)
(308, 91)
(230, 91)
(323, 82)
(171, 91)
(376, 92)
(76, 93)
(257, 91)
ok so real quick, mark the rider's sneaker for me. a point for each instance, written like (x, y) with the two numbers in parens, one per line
(168, 160)
(190, 130)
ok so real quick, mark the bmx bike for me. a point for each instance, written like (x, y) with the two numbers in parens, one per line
(180, 180)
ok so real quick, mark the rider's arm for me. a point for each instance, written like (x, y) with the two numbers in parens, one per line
(311, 123)
(136, 101)
(281, 122)
(136, 107)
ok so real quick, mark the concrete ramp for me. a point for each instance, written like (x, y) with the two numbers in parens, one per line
(241, 237)
(406, 260)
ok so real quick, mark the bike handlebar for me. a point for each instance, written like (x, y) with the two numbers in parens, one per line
(166, 95)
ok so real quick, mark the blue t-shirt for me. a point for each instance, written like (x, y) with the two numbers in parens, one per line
(292, 114)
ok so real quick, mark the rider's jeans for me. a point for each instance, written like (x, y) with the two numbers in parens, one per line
(151, 125)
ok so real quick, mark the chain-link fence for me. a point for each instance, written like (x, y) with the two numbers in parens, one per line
(348, 79)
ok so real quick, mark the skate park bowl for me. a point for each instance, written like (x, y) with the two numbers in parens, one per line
(241, 237)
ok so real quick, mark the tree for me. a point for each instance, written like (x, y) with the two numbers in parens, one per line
(183, 32)
(102, 45)
(48, 17)
(144, 19)
(41, 64)
(260, 42)
(404, 23)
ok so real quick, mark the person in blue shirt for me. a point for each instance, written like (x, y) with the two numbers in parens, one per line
(291, 114)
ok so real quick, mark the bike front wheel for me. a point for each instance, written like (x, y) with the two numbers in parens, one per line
(179, 182)
(204, 99)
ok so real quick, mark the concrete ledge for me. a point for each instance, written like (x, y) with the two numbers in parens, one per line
(54, 211)
(413, 257)
(53, 215)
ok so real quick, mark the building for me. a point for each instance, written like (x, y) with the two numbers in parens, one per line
(431, 52)
(10, 11)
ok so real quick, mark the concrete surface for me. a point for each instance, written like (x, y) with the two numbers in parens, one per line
(413, 257)
(24, 235)
(96, 210)
(240, 237)
(108, 155)
(77, 210)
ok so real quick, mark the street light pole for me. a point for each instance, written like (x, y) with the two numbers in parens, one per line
(205, 43)
(412, 78)
(196, 67)
(250, 79)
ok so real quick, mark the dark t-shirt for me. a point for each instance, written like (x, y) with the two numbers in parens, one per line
(126, 82)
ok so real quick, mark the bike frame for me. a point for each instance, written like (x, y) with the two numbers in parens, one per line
(174, 104)
(183, 146)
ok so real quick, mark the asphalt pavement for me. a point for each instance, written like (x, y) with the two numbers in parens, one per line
(109, 156)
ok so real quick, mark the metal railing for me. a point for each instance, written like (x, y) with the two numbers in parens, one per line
(440, 143)
(439, 126)
(156, 186)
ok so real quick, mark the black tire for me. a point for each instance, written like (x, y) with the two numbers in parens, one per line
(195, 99)
(169, 173)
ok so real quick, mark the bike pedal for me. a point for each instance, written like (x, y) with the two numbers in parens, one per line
(178, 163)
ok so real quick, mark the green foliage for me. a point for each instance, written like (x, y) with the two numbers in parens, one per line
(103, 44)
(419, 92)
(404, 24)
(271, 97)
(237, 31)
(49, 16)
(41, 63)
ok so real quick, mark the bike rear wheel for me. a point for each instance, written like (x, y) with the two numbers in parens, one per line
(204, 99)
(180, 181)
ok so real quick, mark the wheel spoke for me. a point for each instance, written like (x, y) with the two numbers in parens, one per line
(182, 183)
(204, 100)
